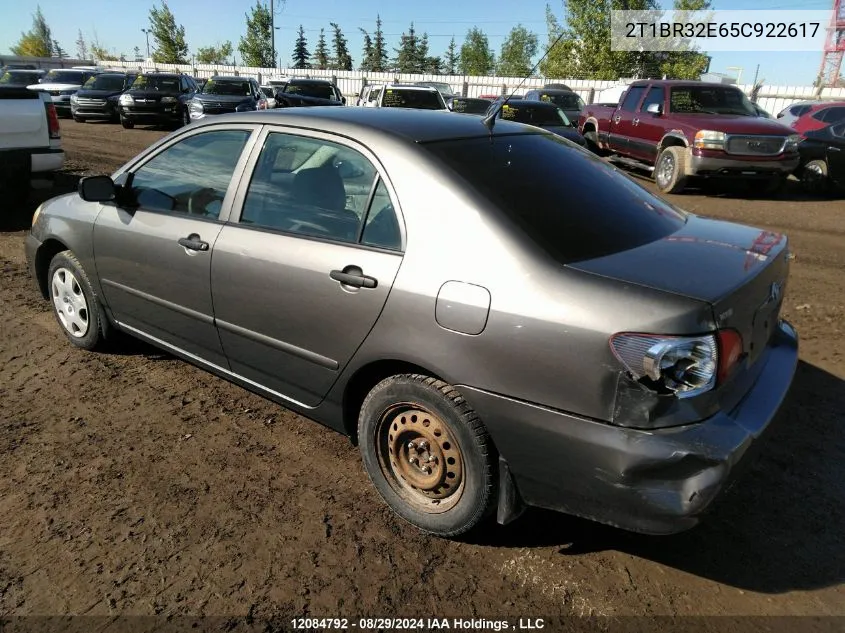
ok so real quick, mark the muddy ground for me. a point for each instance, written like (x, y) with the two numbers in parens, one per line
(134, 483)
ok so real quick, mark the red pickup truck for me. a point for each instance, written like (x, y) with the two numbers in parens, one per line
(680, 130)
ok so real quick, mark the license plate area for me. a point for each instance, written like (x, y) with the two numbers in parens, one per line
(764, 324)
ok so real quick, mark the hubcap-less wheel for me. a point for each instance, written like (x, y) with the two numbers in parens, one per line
(665, 170)
(420, 458)
(186, 118)
(69, 302)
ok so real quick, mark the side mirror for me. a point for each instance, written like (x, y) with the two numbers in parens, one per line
(343, 100)
(96, 189)
(655, 108)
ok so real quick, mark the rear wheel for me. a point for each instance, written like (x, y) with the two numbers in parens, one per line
(669, 170)
(814, 177)
(428, 454)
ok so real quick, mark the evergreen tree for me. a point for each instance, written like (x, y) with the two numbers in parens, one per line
(342, 59)
(476, 56)
(450, 59)
(367, 58)
(321, 53)
(379, 57)
(38, 42)
(300, 50)
(407, 56)
(81, 47)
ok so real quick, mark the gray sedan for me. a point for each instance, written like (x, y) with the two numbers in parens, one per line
(497, 318)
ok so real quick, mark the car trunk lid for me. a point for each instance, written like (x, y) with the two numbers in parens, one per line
(739, 270)
(23, 123)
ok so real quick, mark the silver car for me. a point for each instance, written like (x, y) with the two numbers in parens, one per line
(497, 318)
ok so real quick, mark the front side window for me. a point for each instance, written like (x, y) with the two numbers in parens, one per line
(309, 187)
(632, 99)
(655, 95)
(192, 176)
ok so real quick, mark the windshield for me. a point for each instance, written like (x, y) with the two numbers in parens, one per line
(569, 202)
(567, 100)
(315, 89)
(63, 77)
(534, 115)
(20, 78)
(442, 88)
(162, 83)
(709, 100)
(420, 99)
(105, 82)
(227, 87)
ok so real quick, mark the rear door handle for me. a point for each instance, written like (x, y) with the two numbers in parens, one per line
(636, 121)
(354, 276)
(193, 242)
(833, 149)
(616, 118)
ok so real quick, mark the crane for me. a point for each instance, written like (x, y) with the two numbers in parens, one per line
(830, 70)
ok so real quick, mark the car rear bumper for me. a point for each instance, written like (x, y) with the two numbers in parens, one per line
(701, 165)
(654, 482)
(47, 160)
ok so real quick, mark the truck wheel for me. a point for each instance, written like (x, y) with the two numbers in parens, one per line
(428, 454)
(669, 170)
(591, 139)
(126, 123)
(814, 177)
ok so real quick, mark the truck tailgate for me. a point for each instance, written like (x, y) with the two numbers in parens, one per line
(23, 119)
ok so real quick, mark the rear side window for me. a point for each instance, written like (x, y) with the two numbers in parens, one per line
(831, 115)
(571, 203)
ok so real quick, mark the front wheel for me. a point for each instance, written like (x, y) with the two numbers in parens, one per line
(669, 170)
(814, 178)
(75, 306)
(428, 454)
(78, 119)
(127, 123)
(186, 117)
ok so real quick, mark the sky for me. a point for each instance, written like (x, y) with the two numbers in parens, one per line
(117, 26)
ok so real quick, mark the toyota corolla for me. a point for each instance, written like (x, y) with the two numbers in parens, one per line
(497, 318)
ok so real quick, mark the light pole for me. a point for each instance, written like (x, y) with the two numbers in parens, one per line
(147, 33)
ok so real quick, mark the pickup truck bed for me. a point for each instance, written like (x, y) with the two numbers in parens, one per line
(681, 130)
(30, 141)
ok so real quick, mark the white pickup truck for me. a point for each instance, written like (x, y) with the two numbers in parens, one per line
(30, 142)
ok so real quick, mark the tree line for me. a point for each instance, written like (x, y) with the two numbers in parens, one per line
(579, 46)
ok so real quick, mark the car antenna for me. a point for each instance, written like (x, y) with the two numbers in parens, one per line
(490, 120)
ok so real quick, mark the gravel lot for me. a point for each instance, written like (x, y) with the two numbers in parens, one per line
(133, 483)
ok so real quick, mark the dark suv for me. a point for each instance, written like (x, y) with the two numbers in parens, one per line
(97, 99)
(157, 98)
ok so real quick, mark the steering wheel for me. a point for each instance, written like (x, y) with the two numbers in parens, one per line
(200, 199)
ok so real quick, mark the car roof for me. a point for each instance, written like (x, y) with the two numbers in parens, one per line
(411, 87)
(230, 78)
(409, 124)
(313, 80)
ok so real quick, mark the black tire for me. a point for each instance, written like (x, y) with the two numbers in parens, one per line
(186, 117)
(591, 140)
(79, 119)
(669, 170)
(411, 416)
(814, 177)
(66, 279)
(127, 123)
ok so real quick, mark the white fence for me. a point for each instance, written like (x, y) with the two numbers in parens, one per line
(771, 98)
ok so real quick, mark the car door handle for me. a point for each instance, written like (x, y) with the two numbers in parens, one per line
(193, 242)
(833, 149)
(355, 277)
(616, 118)
(636, 121)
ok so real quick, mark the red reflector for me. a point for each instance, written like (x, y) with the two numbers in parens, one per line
(53, 121)
(730, 349)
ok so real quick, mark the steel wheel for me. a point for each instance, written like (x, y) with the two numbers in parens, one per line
(69, 302)
(420, 458)
(665, 170)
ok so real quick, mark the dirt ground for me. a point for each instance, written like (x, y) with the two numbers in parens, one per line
(134, 483)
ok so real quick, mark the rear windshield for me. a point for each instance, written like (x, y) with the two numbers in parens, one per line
(105, 82)
(227, 87)
(64, 77)
(534, 115)
(316, 90)
(567, 100)
(162, 83)
(420, 99)
(20, 78)
(570, 202)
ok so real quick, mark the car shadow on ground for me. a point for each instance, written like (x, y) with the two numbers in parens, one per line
(779, 529)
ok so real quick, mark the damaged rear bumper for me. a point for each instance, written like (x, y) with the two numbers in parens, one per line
(654, 482)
